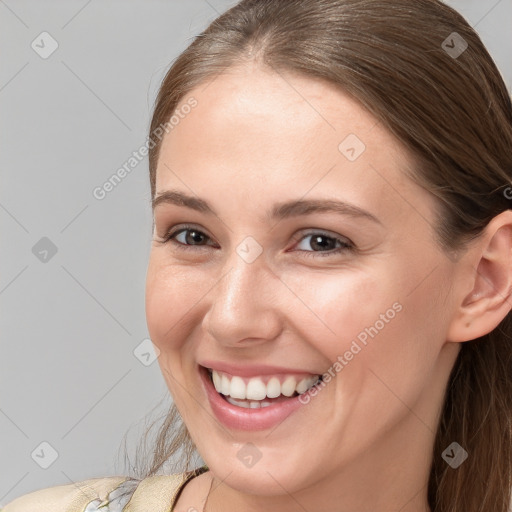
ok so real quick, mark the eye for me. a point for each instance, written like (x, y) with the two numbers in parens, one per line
(190, 237)
(325, 243)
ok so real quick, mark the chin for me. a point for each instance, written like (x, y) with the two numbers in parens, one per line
(269, 475)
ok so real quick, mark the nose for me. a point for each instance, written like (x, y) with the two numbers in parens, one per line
(244, 304)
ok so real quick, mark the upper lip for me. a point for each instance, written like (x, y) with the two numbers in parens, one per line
(252, 370)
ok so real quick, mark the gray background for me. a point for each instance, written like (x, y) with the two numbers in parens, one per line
(70, 325)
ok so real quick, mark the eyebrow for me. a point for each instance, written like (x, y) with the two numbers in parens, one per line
(279, 211)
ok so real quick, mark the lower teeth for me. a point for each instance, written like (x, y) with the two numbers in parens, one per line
(256, 404)
(248, 404)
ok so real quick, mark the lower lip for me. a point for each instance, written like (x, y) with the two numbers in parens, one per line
(241, 418)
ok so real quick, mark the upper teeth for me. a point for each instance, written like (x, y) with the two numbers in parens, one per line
(256, 389)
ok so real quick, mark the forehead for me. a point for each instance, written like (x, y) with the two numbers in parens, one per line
(273, 107)
(261, 134)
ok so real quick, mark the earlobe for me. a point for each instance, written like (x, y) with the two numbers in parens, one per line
(490, 298)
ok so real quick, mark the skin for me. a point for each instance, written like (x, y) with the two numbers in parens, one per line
(364, 443)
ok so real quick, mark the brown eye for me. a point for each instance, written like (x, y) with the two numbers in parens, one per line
(189, 236)
(324, 244)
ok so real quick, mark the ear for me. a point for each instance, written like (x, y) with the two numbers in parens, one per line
(489, 270)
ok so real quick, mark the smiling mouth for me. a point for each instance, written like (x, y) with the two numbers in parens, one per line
(263, 391)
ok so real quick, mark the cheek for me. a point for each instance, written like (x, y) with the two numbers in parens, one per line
(175, 301)
(165, 304)
(373, 321)
(400, 354)
(337, 309)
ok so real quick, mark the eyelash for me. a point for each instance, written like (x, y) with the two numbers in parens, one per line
(345, 245)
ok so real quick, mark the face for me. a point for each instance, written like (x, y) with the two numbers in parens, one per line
(349, 285)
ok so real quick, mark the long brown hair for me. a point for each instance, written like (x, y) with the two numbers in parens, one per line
(424, 73)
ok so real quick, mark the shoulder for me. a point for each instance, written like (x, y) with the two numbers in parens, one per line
(62, 498)
(90, 495)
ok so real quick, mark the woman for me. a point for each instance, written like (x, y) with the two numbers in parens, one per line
(330, 280)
